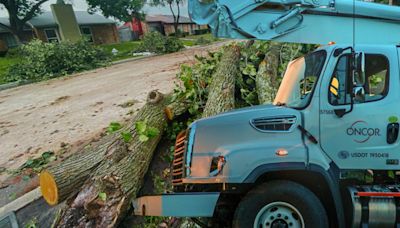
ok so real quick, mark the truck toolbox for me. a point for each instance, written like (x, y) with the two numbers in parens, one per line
(178, 205)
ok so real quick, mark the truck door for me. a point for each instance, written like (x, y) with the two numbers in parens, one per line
(366, 137)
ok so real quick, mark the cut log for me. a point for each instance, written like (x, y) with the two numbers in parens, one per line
(267, 75)
(60, 181)
(221, 97)
(176, 108)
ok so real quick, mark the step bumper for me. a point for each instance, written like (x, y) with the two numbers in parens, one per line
(177, 205)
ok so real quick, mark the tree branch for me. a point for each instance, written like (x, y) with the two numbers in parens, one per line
(179, 11)
(33, 11)
(5, 26)
(4, 2)
(172, 10)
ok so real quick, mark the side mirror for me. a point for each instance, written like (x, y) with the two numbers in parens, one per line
(356, 81)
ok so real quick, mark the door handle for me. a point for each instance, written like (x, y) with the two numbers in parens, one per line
(392, 133)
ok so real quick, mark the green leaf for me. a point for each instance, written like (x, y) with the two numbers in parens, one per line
(391, 174)
(152, 132)
(114, 126)
(250, 81)
(143, 138)
(393, 119)
(29, 162)
(47, 155)
(103, 196)
(140, 127)
(26, 178)
(126, 136)
(12, 196)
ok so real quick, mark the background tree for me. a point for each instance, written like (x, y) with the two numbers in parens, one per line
(123, 10)
(171, 4)
(20, 12)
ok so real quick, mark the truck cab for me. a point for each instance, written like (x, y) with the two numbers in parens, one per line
(334, 123)
(326, 152)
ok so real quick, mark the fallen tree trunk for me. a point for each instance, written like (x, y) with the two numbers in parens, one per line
(221, 95)
(60, 181)
(106, 195)
(267, 75)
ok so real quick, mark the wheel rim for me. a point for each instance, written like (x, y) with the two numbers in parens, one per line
(279, 215)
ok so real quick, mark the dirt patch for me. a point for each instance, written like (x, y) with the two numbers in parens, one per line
(129, 103)
(60, 100)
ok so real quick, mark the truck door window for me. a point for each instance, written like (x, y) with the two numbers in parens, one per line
(374, 81)
(299, 82)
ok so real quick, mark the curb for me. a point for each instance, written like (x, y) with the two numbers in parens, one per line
(9, 85)
(21, 202)
(132, 59)
(14, 84)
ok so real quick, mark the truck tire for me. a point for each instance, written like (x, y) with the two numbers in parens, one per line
(280, 204)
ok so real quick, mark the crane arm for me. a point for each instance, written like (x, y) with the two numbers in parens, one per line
(300, 21)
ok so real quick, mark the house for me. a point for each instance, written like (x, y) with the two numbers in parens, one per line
(160, 23)
(165, 25)
(48, 28)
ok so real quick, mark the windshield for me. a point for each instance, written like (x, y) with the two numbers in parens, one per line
(300, 79)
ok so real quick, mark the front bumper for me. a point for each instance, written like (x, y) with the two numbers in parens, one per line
(177, 205)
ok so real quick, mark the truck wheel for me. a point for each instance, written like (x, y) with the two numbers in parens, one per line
(280, 204)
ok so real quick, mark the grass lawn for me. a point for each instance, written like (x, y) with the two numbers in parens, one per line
(124, 49)
(208, 36)
(203, 39)
(5, 64)
(188, 43)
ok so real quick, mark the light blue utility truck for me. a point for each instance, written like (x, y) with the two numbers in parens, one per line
(327, 153)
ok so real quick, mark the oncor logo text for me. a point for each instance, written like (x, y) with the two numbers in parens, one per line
(361, 132)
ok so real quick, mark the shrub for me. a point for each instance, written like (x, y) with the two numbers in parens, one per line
(157, 43)
(41, 60)
(179, 34)
(173, 44)
(153, 42)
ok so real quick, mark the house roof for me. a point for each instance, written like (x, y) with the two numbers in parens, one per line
(168, 19)
(46, 19)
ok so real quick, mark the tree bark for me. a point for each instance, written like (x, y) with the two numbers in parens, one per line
(178, 14)
(66, 178)
(221, 97)
(267, 75)
(59, 181)
(174, 16)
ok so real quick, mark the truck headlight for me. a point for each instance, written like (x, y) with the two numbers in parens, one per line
(217, 165)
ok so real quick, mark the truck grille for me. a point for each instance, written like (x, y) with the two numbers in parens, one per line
(178, 166)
